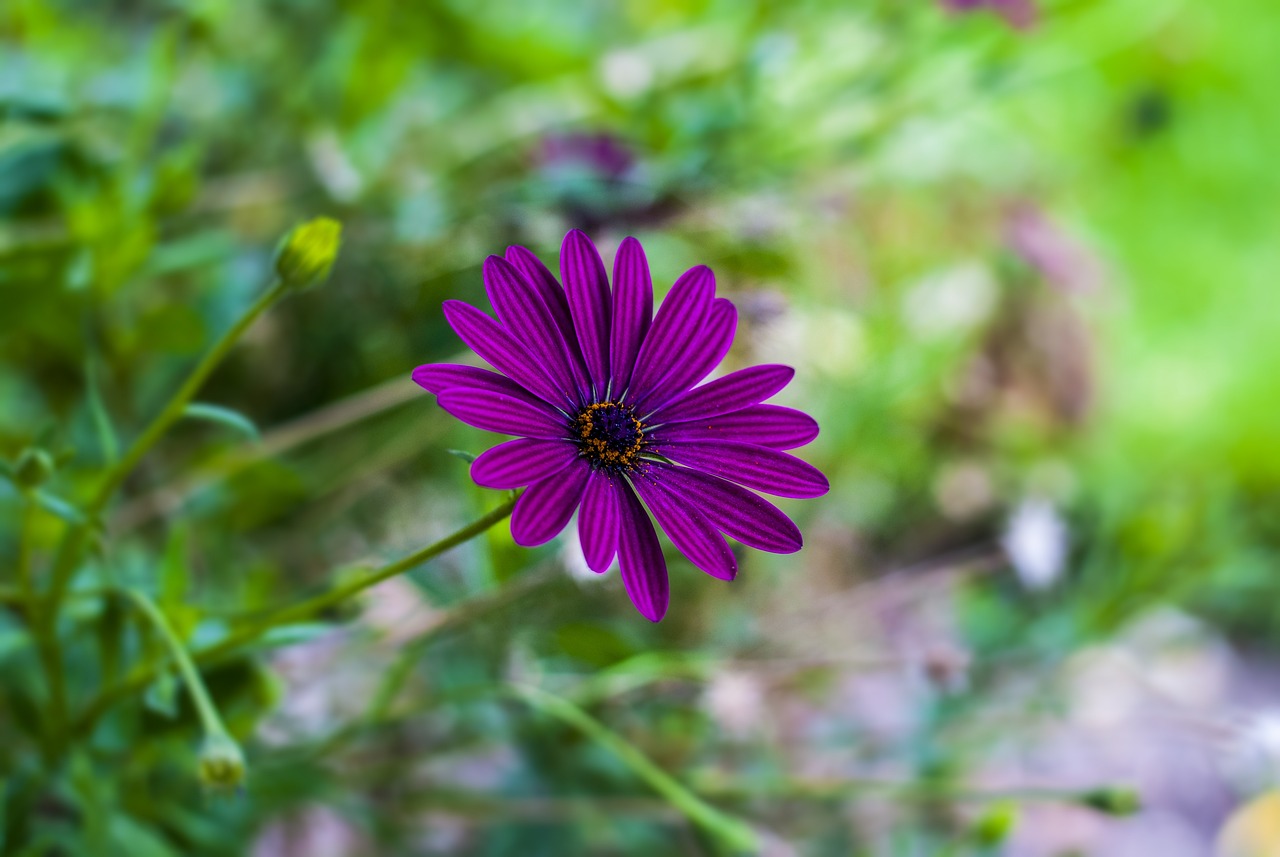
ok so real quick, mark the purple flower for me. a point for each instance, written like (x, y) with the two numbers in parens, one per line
(601, 392)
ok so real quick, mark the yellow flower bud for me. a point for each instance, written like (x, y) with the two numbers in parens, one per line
(307, 254)
(221, 764)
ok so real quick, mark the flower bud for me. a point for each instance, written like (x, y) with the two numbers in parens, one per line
(1112, 800)
(307, 253)
(33, 468)
(221, 763)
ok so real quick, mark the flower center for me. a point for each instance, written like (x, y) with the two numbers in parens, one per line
(609, 435)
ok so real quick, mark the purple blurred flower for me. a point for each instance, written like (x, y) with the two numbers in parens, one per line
(601, 393)
(595, 179)
(601, 154)
(1043, 245)
(1019, 13)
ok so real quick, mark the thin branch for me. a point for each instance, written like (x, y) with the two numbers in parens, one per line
(308, 608)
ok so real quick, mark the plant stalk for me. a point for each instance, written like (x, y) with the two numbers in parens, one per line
(141, 676)
(76, 538)
(210, 720)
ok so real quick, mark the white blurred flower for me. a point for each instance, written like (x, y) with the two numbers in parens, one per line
(1036, 541)
(949, 302)
(333, 167)
(735, 700)
(573, 560)
(626, 73)
(826, 340)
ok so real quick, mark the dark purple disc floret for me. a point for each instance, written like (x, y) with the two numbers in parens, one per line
(605, 399)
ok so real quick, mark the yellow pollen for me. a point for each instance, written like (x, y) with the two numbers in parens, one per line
(613, 446)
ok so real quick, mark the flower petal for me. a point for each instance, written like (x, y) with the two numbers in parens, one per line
(528, 264)
(735, 511)
(438, 377)
(598, 521)
(546, 506)
(676, 326)
(704, 354)
(524, 313)
(733, 392)
(491, 341)
(644, 569)
(587, 287)
(632, 309)
(505, 413)
(521, 462)
(557, 304)
(764, 425)
(689, 530)
(758, 467)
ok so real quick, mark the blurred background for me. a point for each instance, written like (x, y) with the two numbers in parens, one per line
(1023, 254)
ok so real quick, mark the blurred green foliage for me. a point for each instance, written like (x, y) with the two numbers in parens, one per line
(863, 178)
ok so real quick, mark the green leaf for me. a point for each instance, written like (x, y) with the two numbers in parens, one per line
(110, 446)
(175, 576)
(110, 629)
(27, 162)
(60, 508)
(12, 640)
(33, 107)
(292, 635)
(130, 837)
(58, 838)
(592, 644)
(161, 695)
(224, 416)
(463, 454)
(196, 251)
(79, 273)
(92, 797)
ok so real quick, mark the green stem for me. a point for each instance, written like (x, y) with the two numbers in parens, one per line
(42, 632)
(905, 790)
(74, 542)
(378, 712)
(319, 603)
(172, 412)
(141, 676)
(13, 595)
(486, 808)
(209, 717)
(737, 836)
(26, 584)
